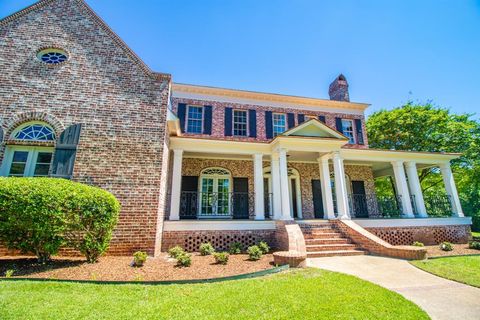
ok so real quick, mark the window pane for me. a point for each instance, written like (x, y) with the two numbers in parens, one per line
(279, 124)
(347, 128)
(194, 119)
(17, 169)
(41, 170)
(44, 157)
(239, 123)
(20, 156)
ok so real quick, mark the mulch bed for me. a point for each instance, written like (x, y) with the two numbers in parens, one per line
(458, 250)
(118, 268)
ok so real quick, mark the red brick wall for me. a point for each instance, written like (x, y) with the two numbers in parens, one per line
(218, 118)
(121, 104)
(427, 235)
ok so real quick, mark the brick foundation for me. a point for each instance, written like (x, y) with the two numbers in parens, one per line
(427, 235)
(220, 239)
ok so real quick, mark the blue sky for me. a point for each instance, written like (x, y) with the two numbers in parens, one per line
(390, 51)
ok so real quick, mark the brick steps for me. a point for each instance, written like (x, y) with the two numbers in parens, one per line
(325, 240)
(333, 253)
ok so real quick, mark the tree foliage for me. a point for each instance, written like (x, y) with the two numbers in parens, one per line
(426, 127)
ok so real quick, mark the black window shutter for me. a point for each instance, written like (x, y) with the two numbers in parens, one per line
(228, 122)
(322, 119)
(1, 135)
(268, 124)
(207, 120)
(252, 123)
(358, 128)
(338, 124)
(65, 152)
(182, 109)
(240, 198)
(301, 118)
(291, 120)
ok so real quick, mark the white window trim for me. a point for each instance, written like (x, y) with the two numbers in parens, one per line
(353, 130)
(273, 123)
(31, 160)
(187, 119)
(26, 124)
(233, 123)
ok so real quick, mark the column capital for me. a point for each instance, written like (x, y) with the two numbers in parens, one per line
(324, 158)
(177, 152)
(336, 155)
(274, 156)
(444, 166)
(397, 163)
(411, 164)
(257, 156)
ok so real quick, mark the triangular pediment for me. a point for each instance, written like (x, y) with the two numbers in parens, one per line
(314, 128)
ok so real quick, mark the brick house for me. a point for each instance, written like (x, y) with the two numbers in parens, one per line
(191, 163)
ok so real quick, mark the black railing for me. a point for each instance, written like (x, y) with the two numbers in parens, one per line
(373, 206)
(438, 205)
(228, 205)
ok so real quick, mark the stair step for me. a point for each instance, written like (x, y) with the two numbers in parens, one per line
(330, 247)
(333, 253)
(329, 235)
(327, 241)
(320, 231)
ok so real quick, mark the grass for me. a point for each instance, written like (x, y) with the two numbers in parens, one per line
(464, 269)
(296, 294)
(476, 234)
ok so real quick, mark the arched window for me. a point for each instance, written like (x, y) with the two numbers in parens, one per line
(215, 188)
(35, 132)
(29, 160)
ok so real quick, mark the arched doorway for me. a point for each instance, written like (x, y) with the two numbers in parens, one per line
(215, 188)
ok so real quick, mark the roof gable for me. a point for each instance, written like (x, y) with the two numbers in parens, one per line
(99, 22)
(314, 128)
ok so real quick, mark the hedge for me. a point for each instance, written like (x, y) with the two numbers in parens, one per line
(40, 215)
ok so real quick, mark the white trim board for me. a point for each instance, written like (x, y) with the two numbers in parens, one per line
(414, 222)
(196, 225)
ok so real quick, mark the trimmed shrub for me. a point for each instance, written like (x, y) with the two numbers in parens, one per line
(474, 245)
(184, 260)
(206, 249)
(139, 258)
(39, 215)
(221, 257)
(236, 248)
(418, 244)
(264, 247)
(446, 246)
(175, 252)
(254, 253)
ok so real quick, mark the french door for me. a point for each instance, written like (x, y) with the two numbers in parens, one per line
(22, 161)
(215, 197)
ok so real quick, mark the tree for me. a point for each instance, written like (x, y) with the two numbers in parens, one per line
(425, 127)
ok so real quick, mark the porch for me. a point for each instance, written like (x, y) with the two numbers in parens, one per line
(291, 184)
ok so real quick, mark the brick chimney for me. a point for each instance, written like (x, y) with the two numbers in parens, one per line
(338, 89)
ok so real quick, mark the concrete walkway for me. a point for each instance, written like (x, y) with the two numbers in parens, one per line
(440, 298)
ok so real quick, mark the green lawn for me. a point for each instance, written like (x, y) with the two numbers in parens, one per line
(462, 269)
(298, 294)
(476, 234)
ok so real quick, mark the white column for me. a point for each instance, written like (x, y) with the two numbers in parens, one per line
(451, 189)
(402, 188)
(327, 197)
(277, 197)
(416, 188)
(258, 186)
(340, 187)
(285, 194)
(176, 184)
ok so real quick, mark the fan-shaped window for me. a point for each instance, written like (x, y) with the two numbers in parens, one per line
(52, 56)
(35, 132)
(215, 171)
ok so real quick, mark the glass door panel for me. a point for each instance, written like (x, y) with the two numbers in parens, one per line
(207, 197)
(223, 188)
(42, 164)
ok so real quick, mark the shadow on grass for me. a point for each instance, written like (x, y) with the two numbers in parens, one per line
(29, 266)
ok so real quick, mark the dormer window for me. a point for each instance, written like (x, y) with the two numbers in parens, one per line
(194, 119)
(348, 130)
(279, 124)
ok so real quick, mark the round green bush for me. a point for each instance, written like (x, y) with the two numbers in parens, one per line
(446, 246)
(39, 215)
(474, 245)
(174, 252)
(139, 258)
(221, 257)
(254, 253)
(206, 249)
(418, 244)
(264, 247)
(184, 260)
(236, 247)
